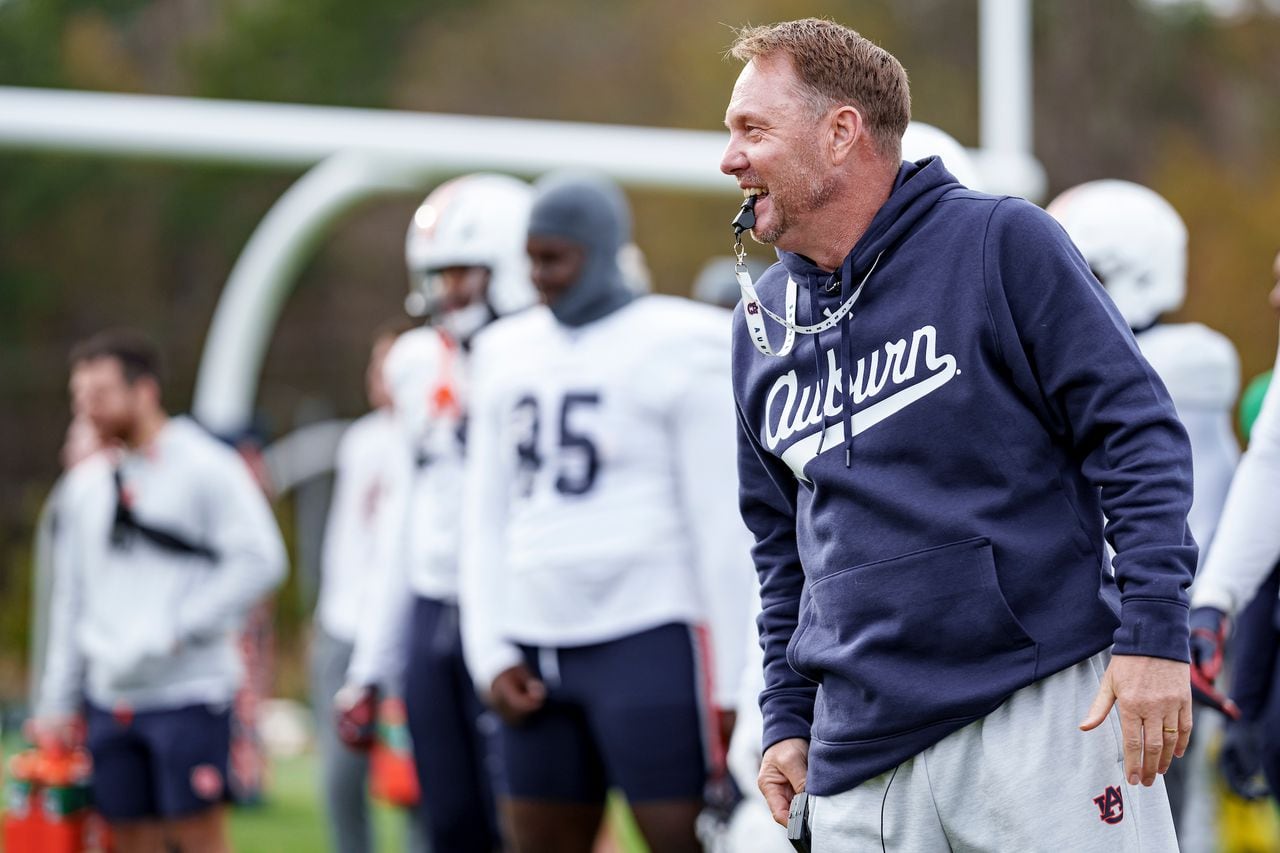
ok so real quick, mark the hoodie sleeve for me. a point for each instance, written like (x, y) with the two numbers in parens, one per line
(484, 524)
(1247, 544)
(251, 556)
(1076, 362)
(61, 683)
(703, 418)
(767, 500)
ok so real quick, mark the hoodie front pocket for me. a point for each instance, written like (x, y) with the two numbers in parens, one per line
(908, 642)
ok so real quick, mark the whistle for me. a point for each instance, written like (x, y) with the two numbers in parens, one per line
(746, 218)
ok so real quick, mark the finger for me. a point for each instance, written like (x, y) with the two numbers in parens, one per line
(1101, 706)
(1169, 734)
(778, 796)
(1185, 725)
(1131, 737)
(1152, 748)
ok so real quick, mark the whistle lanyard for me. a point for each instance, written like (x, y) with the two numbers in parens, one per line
(754, 310)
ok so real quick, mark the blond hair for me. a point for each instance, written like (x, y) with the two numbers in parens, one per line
(837, 66)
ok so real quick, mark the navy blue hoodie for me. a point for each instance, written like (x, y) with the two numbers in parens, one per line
(950, 551)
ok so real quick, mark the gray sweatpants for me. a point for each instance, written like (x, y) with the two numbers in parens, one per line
(343, 772)
(1022, 778)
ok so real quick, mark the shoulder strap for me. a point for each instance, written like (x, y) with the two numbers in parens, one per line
(126, 525)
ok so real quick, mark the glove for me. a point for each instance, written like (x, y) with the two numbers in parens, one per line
(1208, 636)
(356, 716)
(1241, 760)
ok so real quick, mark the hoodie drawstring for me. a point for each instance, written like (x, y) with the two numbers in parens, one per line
(845, 360)
(817, 366)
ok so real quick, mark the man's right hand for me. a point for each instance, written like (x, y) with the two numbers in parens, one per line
(516, 693)
(783, 770)
(355, 710)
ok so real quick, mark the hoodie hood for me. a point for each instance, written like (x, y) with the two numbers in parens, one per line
(917, 188)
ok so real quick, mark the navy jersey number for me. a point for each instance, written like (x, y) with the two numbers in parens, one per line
(577, 457)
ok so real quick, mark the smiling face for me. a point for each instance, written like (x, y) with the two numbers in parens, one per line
(776, 151)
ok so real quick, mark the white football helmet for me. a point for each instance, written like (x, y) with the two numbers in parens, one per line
(478, 220)
(1133, 240)
(923, 140)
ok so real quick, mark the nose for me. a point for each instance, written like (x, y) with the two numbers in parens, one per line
(734, 160)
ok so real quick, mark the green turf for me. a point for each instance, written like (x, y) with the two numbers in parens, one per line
(290, 816)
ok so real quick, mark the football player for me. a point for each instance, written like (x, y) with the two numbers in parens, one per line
(350, 535)
(601, 537)
(465, 251)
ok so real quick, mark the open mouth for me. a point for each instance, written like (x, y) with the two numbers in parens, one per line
(747, 192)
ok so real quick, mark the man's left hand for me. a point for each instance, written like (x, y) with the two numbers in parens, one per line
(1153, 698)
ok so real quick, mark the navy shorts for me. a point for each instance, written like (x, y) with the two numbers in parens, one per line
(159, 764)
(629, 713)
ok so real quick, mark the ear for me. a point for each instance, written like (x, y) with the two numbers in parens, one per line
(846, 130)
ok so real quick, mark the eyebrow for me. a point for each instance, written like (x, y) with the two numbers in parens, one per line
(745, 117)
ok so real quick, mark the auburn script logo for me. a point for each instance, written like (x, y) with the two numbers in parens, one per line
(1110, 805)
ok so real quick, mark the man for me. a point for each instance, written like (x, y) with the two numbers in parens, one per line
(752, 829)
(1241, 563)
(600, 537)
(465, 252)
(169, 543)
(349, 542)
(926, 472)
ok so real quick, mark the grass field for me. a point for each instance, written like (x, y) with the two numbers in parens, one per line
(290, 817)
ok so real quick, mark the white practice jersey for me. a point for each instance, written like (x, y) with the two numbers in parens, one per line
(359, 493)
(416, 547)
(601, 489)
(1247, 545)
(1202, 372)
(140, 625)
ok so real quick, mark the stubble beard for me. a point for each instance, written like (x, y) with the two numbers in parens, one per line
(806, 190)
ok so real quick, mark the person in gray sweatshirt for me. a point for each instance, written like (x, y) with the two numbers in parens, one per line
(168, 543)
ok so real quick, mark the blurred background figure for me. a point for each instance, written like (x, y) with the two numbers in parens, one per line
(603, 555)
(347, 565)
(1241, 580)
(1136, 245)
(168, 544)
(717, 282)
(81, 442)
(465, 251)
